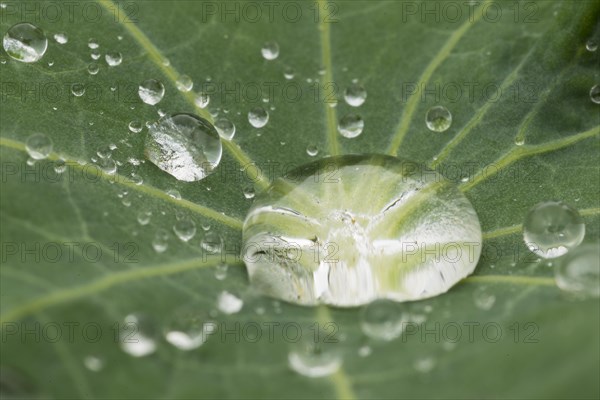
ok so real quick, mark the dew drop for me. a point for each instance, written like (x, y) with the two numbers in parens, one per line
(137, 336)
(60, 166)
(595, 94)
(364, 351)
(438, 119)
(228, 303)
(25, 42)
(225, 127)
(425, 364)
(188, 328)
(578, 272)
(382, 320)
(380, 244)
(160, 243)
(185, 229)
(95, 55)
(61, 38)
(113, 58)
(174, 193)
(258, 117)
(314, 358)
(144, 216)
(355, 95)
(249, 192)
(38, 146)
(312, 150)
(270, 50)
(151, 91)
(135, 126)
(350, 126)
(212, 242)
(78, 89)
(484, 299)
(591, 45)
(519, 141)
(221, 271)
(184, 145)
(289, 73)
(184, 83)
(136, 179)
(93, 44)
(93, 68)
(552, 228)
(201, 100)
(93, 363)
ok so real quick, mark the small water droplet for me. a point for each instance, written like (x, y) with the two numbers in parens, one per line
(225, 127)
(93, 68)
(174, 193)
(137, 336)
(151, 91)
(93, 363)
(552, 228)
(312, 150)
(382, 320)
(38, 146)
(314, 358)
(185, 229)
(484, 299)
(78, 89)
(289, 73)
(188, 328)
(355, 95)
(221, 271)
(93, 44)
(270, 50)
(438, 119)
(144, 216)
(425, 364)
(25, 42)
(61, 38)
(201, 100)
(184, 83)
(350, 126)
(135, 126)
(212, 242)
(579, 271)
(364, 351)
(160, 243)
(249, 192)
(258, 117)
(136, 179)
(591, 45)
(595, 94)
(95, 55)
(60, 166)
(229, 303)
(113, 58)
(184, 145)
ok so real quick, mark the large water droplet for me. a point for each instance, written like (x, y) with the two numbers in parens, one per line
(258, 117)
(438, 119)
(314, 358)
(355, 95)
(270, 50)
(113, 58)
(552, 228)
(312, 238)
(184, 145)
(137, 336)
(25, 42)
(229, 303)
(38, 146)
(225, 127)
(595, 94)
(579, 271)
(151, 91)
(350, 126)
(383, 320)
(185, 229)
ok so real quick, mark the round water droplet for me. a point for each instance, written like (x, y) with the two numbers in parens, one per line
(93, 68)
(174, 193)
(383, 320)
(591, 45)
(289, 73)
(137, 336)
(520, 141)
(95, 55)
(312, 238)
(221, 271)
(212, 242)
(314, 358)
(355, 95)
(249, 192)
(270, 50)
(151, 91)
(188, 328)
(38, 146)
(350, 126)
(93, 43)
(61, 38)
(78, 89)
(595, 94)
(185, 229)
(225, 127)
(25, 42)
(201, 100)
(113, 58)
(60, 166)
(137, 179)
(184, 83)
(579, 271)
(552, 228)
(184, 145)
(229, 303)
(144, 216)
(258, 117)
(438, 119)
(107, 165)
(135, 126)
(484, 298)
(93, 363)
(312, 150)
(160, 243)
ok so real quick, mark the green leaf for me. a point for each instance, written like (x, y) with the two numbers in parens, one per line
(75, 259)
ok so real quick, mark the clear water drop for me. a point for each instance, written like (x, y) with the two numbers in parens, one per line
(578, 272)
(225, 127)
(364, 351)
(270, 50)
(184, 83)
(591, 45)
(249, 192)
(93, 363)
(229, 303)
(38, 146)
(212, 242)
(93, 44)
(308, 241)
(160, 243)
(93, 68)
(202, 100)
(355, 95)
(185, 146)
(137, 336)
(383, 320)
(185, 229)
(95, 55)
(519, 141)
(438, 119)
(113, 58)
(552, 228)
(188, 328)
(144, 216)
(221, 271)
(136, 179)
(289, 73)
(425, 364)
(60, 166)
(61, 38)
(151, 91)
(351, 125)
(484, 298)
(258, 117)
(135, 126)
(174, 193)
(78, 89)
(25, 42)
(314, 358)
(595, 94)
